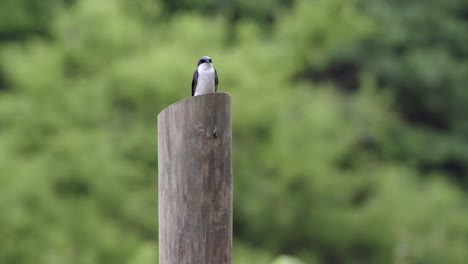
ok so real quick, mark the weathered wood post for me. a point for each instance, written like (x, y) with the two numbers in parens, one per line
(195, 181)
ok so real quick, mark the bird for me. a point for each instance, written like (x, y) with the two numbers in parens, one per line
(205, 77)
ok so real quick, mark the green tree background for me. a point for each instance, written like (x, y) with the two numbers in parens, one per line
(350, 129)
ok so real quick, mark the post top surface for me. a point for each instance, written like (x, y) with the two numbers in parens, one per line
(193, 99)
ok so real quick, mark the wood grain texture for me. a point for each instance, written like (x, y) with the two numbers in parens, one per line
(195, 181)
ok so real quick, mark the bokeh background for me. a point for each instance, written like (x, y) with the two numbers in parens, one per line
(350, 125)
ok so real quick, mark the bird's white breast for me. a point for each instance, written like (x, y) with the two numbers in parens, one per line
(206, 79)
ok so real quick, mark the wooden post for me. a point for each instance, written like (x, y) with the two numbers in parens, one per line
(195, 181)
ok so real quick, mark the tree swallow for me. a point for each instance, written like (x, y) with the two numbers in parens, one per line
(205, 78)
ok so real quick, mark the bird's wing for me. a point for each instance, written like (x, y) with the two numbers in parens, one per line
(216, 81)
(194, 82)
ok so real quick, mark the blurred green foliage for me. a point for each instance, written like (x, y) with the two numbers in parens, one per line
(350, 136)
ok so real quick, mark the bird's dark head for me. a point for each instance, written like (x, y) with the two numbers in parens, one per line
(204, 59)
